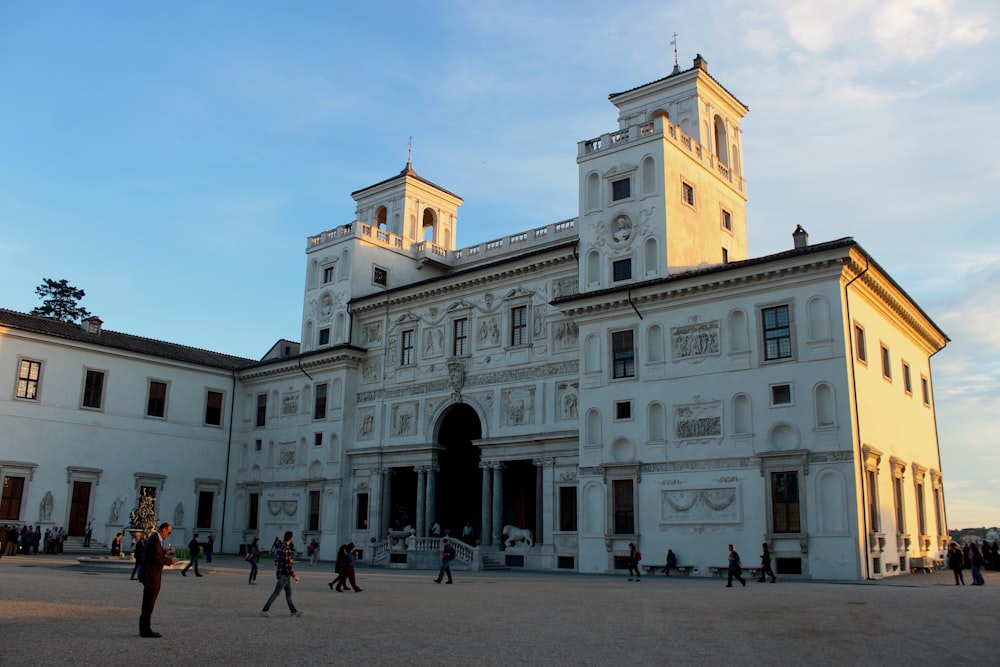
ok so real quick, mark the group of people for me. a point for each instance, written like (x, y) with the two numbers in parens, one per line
(735, 566)
(971, 556)
(29, 539)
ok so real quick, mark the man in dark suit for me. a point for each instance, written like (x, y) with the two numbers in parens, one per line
(154, 558)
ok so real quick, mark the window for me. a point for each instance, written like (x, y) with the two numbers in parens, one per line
(727, 220)
(10, 500)
(623, 354)
(624, 499)
(925, 390)
(460, 344)
(317, 439)
(785, 502)
(519, 325)
(873, 519)
(319, 407)
(253, 512)
(781, 394)
(206, 499)
(258, 445)
(28, 375)
(567, 508)
(621, 189)
(921, 516)
(361, 520)
(622, 269)
(261, 410)
(777, 333)
(623, 410)
(886, 363)
(725, 255)
(897, 503)
(93, 389)
(406, 348)
(156, 405)
(907, 381)
(314, 510)
(687, 193)
(213, 408)
(324, 336)
(380, 276)
(328, 274)
(861, 349)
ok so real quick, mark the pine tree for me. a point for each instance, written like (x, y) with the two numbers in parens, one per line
(144, 516)
(60, 301)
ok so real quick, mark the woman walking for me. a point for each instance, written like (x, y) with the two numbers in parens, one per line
(976, 564)
(347, 571)
(253, 557)
(955, 560)
(765, 565)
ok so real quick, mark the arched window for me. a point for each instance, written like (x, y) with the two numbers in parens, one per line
(819, 318)
(648, 176)
(742, 415)
(427, 229)
(593, 192)
(654, 343)
(592, 354)
(650, 257)
(593, 427)
(381, 217)
(344, 265)
(721, 141)
(826, 405)
(738, 331)
(657, 422)
(340, 331)
(593, 268)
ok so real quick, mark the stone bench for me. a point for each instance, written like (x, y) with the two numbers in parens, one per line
(685, 570)
(722, 571)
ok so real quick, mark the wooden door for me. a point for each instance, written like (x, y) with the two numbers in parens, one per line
(79, 508)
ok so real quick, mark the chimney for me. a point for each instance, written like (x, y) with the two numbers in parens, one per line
(92, 325)
(700, 63)
(801, 237)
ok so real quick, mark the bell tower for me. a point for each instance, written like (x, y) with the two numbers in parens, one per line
(664, 193)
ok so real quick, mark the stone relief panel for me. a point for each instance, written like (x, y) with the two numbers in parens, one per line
(538, 322)
(371, 370)
(518, 406)
(567, 397)
(434, 342)
(489, 332)
(286, 453)
(289, 403)
(565, 287)
(371, 334)
(696, 506)
(404, 419)
(695, 340)
(366, 423)
(698, 419)
(566, 335)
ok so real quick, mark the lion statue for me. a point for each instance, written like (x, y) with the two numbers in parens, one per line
(515, 534)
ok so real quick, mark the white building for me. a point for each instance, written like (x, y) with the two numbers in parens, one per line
(628, 375)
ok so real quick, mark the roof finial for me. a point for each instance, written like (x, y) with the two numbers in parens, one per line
(409, 152)
(677, 64)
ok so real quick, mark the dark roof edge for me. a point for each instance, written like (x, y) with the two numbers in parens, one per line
(612, 96)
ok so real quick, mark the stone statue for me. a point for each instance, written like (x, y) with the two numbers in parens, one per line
(116, 508)
(179, 514)
(515, 535)
(45, 507)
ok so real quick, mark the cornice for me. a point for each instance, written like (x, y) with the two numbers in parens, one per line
(295, 365)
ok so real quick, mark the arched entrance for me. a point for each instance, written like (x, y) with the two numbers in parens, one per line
(459, 489)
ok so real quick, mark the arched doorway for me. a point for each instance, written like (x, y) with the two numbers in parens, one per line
(459, 489)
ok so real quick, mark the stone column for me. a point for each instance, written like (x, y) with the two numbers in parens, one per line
(429, 511)
(386, 513)
(421, 496)
(486, 529)
(545, 491)
(497, 502)
(540, 504)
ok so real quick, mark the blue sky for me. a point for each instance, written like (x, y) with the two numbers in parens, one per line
(172, 158)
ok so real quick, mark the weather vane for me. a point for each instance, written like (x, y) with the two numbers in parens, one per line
(673, 43)
(409, 150)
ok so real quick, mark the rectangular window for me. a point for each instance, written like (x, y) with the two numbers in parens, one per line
(727, 220)
(785, 502)
(319, 409)
(519, 325)
(205, 501)
(261, 410)
(253, 512)
(361, 519)
(623, 410)
(328, 273)
(406, 348)
(921, 517)
(10, 500)
(938, 513)
(687, 193)
(380, 276)
(622, 269)
(781, 394)
(28, 375)
(777, 333)
(324, 336)
(925, 390)
(317, 439)
(907, 380)
(886, 363)
(897, 503)
(314, 510)
(258, 445)
(213, 408)
(567, 508)
(873, 520)
(623, 354)
(725, 256)
(93, 389)
(156, 406)
(460, 343)
(861, 349)
(621, 189)
(624, 499)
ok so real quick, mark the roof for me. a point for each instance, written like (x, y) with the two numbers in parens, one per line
(49, 326)
(408, 170)
(612, 96)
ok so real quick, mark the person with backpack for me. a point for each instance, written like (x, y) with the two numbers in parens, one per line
(634, 556)
(447, 555)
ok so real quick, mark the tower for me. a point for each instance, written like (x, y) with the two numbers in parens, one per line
(664, 193)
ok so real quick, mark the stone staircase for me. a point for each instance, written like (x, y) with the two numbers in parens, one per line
(494, 562)
(73, 546)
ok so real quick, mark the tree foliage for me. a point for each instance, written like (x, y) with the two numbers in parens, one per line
(60, 300)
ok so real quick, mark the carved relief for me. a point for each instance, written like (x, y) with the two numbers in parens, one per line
(489, 332)
(366, 424)
(290, 403)
(371, 334)
(567, 395)
(370, 370)
(695, 340)
(286, 507)
(404, 419)
(456, 375)
(718, 505)
(566, 334)
(325, 307)
(518, 406)
(621, 229)
(433, 342)
(538, 322)
(699, 419)
(286, 454)
(565, 287)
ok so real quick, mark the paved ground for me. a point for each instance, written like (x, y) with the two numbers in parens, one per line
(52, 612)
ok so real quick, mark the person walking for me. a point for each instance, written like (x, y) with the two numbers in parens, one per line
(284, 572)
(87, 533)
(194, 547)
(209, 548)
(671, 562)
(138, 552)
(765, 565)
(976, 564)
(634, 556)
(155, 556)
(735, 568)
(447, 555)
(253, 557)
(347, 571)
(338, 567)
(955, 559)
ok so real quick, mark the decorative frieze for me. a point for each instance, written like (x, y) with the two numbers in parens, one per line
(698, 419)
(366, 423)
(695, 340)
(517, 406)
(404, 419)
(567, 397)
(712, 505)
